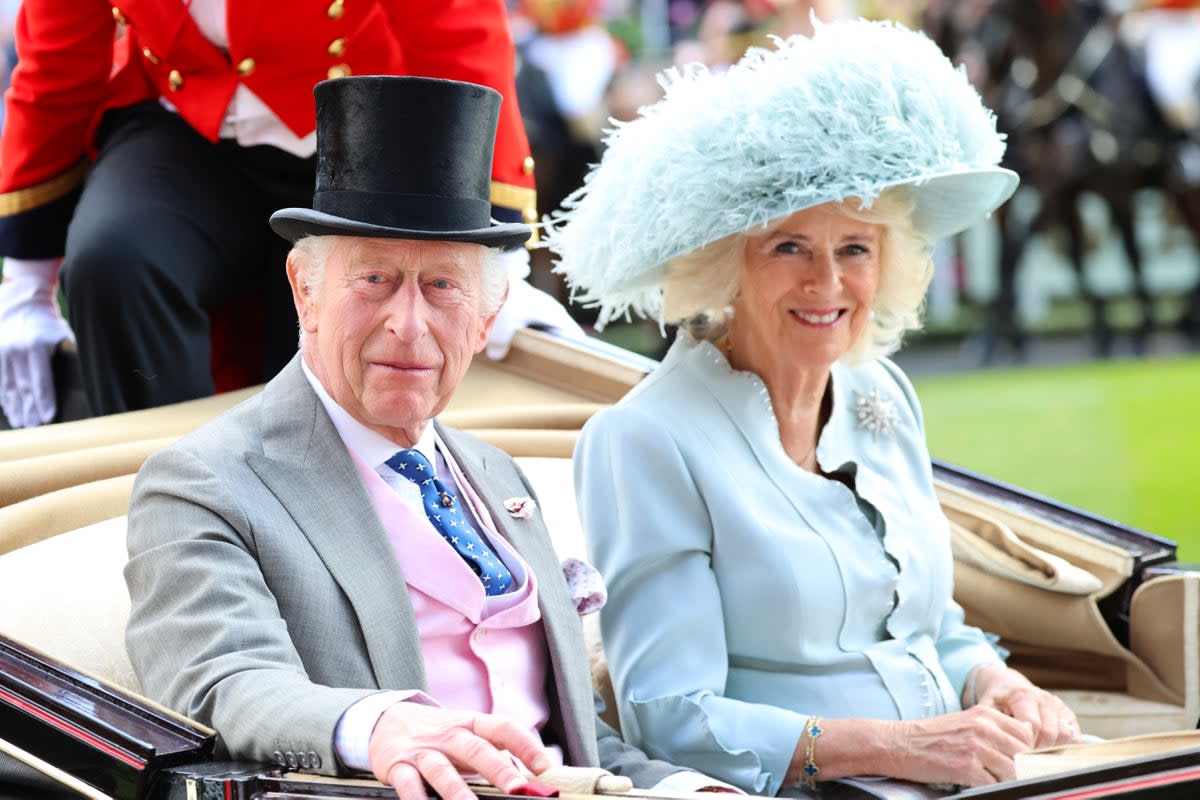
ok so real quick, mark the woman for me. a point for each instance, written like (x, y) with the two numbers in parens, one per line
(779, 572)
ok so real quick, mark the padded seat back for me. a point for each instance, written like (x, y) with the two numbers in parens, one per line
(66, 596)
(50, 514)
(1039, 588)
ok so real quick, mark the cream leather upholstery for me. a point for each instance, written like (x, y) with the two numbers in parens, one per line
(66, 596)
(544, 429)
(63, 510)
(32, 477)
(1043, 605)
(101, 489)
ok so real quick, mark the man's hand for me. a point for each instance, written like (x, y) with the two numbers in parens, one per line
(415, 744)
(31, 327)
(526, 307)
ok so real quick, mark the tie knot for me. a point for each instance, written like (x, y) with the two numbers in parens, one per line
(412, 465)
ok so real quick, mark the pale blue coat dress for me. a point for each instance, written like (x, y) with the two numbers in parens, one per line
(746, 593)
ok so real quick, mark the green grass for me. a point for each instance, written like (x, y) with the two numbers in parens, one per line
(1119, 439)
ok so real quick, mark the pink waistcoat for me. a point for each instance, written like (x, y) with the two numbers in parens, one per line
(481, 654)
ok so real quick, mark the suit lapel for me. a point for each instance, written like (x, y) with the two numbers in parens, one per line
(306, 465)
(494, 480)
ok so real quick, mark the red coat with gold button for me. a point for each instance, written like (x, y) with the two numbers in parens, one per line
(79, 58)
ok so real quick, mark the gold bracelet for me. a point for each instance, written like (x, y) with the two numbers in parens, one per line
(812, 729)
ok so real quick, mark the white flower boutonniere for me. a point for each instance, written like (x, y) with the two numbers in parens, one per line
(521, 507)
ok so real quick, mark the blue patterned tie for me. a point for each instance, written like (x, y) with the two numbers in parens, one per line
(442, 509)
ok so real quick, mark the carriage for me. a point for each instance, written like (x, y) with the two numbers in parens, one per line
(1100, 613)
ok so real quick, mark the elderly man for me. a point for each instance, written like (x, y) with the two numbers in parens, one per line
(327, 576)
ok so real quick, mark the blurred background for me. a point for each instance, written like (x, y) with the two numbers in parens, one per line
(1059, 352)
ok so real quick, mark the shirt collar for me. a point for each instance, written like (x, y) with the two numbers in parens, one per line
(372, 447)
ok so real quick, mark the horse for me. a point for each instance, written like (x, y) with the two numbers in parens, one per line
(1080, 118)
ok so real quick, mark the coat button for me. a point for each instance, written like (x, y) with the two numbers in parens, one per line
(175, 80)
(335, 9)
(119, 17)
(337, 47)
(149, 55)
(245, 67)
(338, 71)
(527, 166)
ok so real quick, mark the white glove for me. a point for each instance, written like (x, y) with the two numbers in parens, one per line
(526, 306)
(31, 327)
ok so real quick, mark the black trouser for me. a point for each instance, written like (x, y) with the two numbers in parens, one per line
(168, 226)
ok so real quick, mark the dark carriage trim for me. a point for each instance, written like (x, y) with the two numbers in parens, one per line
(1147, 548)
(232, 780)
(107, 738)
(1161, 776)
(1150, 553)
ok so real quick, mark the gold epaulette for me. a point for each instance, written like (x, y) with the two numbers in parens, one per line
(521, 198)
(29, 198)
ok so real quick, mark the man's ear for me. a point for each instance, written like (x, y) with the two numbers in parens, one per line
(485, 330)
(301, 294)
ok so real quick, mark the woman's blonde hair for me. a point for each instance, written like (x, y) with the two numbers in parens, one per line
(700, 286)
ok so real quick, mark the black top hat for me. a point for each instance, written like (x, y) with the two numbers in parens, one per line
(403, 158)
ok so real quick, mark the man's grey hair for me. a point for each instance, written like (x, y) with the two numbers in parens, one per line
(311, 254)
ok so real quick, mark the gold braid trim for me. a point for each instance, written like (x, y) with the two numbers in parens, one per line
(21, 200)
(520, 198)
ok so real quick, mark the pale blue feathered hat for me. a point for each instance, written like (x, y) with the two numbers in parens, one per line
(858, 107)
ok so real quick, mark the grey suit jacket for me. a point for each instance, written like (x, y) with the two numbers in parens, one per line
(266, 598)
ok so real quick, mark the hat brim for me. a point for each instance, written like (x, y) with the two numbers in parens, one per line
(944, 204)
(295, 223)
(950, 203)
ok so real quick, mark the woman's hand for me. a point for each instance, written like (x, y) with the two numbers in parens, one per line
(968, 748)
(971, 748)
(1008, 691)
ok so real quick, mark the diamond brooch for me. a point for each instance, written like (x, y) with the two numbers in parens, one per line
(875, 413)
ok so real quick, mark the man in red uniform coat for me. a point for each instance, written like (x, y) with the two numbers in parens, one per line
(147, 142)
